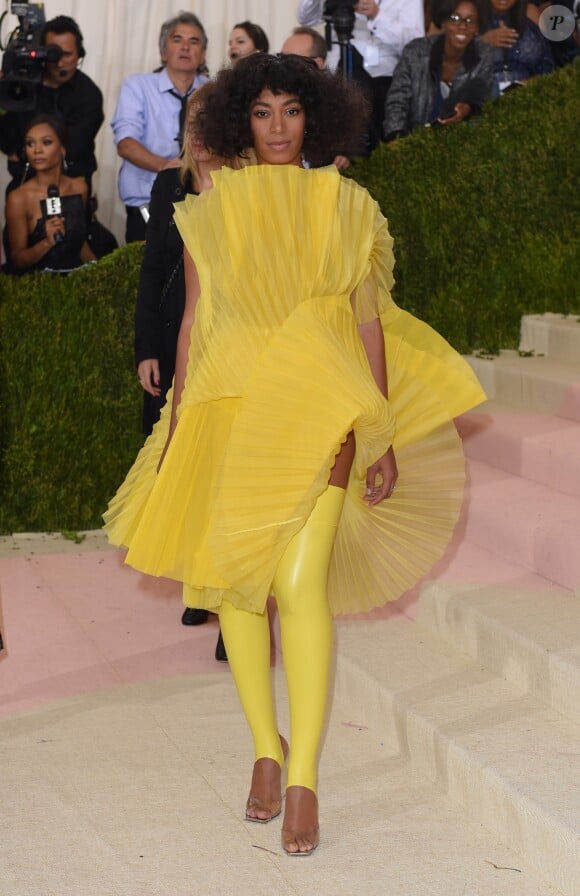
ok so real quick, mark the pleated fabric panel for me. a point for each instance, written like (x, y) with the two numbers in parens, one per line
(289, 262)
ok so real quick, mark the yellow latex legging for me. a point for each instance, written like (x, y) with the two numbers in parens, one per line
(299, 587)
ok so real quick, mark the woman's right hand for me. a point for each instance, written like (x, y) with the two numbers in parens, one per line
(53, 227)
(385, 468)
(502, 37)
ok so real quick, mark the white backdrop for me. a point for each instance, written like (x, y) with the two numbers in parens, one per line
(120, 38)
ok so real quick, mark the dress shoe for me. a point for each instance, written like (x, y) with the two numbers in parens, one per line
(192, 616)
(220, 650)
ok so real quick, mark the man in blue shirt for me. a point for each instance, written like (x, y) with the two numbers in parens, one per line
(150, 114)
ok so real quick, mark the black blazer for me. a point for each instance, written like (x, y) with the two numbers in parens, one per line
(161, 293)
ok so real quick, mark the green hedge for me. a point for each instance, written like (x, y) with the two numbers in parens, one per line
(70, 402)
(484, 217)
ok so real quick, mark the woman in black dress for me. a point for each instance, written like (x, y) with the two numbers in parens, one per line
(39, 239)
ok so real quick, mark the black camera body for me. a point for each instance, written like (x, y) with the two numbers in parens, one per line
(24, 59)
(340, 14)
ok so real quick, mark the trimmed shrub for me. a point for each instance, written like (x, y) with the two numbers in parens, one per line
(70, 401)
(484, 217)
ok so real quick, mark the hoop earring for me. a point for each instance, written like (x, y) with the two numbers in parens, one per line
(64, 165)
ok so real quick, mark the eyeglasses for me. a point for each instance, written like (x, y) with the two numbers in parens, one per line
(469, 21)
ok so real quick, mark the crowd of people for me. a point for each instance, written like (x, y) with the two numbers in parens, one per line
(418, 63)
(272, 405)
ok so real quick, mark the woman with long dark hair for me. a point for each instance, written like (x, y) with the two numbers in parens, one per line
(275, 470)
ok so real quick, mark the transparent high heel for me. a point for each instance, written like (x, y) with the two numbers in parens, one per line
(263, 769)
(297, 841)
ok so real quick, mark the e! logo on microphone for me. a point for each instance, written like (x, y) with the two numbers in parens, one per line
(557, 22)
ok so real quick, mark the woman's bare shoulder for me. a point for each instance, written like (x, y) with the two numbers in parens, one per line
(19, 198)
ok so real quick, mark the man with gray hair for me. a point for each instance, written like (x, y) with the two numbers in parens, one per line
(150, 115)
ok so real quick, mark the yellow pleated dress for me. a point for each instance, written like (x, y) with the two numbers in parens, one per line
(289, 262)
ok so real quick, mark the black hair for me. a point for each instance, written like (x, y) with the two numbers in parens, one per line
(64, 25)
(336, 111)
(53, 121)
(256, 34)
(442, 9)
(514, 18)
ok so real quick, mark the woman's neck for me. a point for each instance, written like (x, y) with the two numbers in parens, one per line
(49, 177)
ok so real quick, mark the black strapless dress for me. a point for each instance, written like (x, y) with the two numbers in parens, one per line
(66, 255)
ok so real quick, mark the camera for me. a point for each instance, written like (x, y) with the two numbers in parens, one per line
(339, 14)
(24, 59)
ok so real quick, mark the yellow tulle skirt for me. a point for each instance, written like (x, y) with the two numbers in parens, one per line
(269, 398)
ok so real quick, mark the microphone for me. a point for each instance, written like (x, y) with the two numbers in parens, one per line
(54, 207)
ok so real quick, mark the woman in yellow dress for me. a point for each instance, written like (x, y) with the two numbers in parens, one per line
(274, 471)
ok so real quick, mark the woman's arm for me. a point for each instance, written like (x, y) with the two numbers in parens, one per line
(371, 335)
(385, 467)
(21, 254)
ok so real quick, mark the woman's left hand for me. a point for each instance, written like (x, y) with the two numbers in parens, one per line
(386, 468)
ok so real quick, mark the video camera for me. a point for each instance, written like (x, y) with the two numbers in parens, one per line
(339, 14)
(24, 59)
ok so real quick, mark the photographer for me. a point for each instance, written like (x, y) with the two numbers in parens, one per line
(381, 30)
(66, 93)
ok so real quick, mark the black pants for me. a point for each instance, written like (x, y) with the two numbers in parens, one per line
(136, 227)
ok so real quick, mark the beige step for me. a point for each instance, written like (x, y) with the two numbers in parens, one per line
(139, 791)
(511, 762)
(539, 447)
(530, 637)
(535, 384)
(553, 335)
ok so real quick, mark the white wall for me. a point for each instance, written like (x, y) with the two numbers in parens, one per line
(121, 38)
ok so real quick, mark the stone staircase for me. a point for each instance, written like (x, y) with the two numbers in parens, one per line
(482, 694)
(523, 449)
